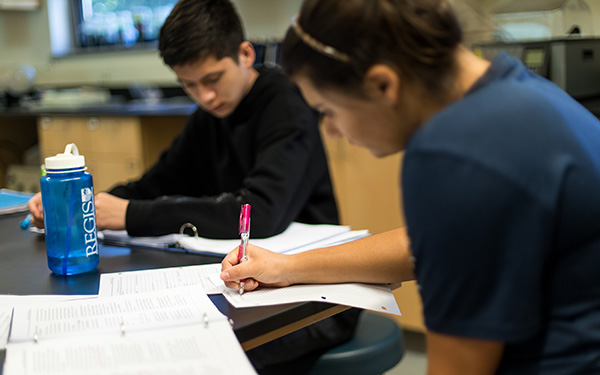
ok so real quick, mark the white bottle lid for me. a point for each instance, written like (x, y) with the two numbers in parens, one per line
(70, 159)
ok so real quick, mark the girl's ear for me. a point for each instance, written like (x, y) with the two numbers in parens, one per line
(247, 54)
(382, 82)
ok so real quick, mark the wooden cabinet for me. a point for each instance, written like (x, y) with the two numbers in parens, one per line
(368, 195)
(116, 149)
(112, 146)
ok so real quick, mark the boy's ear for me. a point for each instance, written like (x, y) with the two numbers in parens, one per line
(381, 81)
(247, 55)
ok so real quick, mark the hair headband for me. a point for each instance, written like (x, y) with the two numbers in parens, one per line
(316, 45)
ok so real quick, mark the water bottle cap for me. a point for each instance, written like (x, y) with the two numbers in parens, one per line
(70, 159)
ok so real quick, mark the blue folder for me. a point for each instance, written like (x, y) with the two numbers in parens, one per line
(13, 201)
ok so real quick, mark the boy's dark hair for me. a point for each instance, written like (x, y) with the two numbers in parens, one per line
(419, 38)
(198, 29)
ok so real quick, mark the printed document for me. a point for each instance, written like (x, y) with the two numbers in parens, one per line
(7, 302)
(176, 331)
(178, 351)
(133, 282)
(164, 308)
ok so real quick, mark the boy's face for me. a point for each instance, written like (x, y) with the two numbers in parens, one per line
(218, 86)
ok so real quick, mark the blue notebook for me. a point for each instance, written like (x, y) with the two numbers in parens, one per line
(13, 201)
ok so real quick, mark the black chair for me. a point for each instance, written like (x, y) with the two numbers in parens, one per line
(377, 346)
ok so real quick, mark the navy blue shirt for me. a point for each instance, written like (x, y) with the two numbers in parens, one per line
(502, 200)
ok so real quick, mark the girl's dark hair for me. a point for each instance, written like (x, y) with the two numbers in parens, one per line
(418, 38)
(197, 29)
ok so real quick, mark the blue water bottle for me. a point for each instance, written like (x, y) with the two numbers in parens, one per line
(69, 214)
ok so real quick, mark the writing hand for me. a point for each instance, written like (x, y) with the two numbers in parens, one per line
(263, 268)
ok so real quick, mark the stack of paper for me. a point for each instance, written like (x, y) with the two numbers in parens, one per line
(296, 238)
(152, 322)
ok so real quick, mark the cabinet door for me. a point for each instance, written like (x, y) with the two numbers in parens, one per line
(114, 135)
(54, 133)
(112, 146)
(109, 170)
(157, 135)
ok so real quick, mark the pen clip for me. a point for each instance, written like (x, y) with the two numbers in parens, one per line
(244, 219)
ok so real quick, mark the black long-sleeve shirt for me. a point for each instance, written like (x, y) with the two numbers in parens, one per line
(267, 153)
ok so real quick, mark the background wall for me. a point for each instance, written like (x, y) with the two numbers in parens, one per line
(24, 38)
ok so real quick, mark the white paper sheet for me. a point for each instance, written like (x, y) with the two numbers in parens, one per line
(132, 282)
(9, 301)
(5, 319)
(332, 241)
(160, 309)
(175, 351)
(366, 296)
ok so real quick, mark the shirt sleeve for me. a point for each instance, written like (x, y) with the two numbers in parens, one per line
(478, 239)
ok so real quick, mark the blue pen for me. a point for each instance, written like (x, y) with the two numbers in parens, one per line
(26, 222)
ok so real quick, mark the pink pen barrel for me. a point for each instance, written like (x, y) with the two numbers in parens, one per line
(245, 219)
(244, 230)
(240, 252)
(245, 235)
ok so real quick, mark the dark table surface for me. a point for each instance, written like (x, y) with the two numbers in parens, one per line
(24, 271)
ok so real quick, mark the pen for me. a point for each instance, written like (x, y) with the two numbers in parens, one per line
(245, 236)
(25, 223)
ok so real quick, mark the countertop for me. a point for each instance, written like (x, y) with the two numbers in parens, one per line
(179, 106)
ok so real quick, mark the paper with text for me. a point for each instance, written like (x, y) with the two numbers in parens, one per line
(144, 311)
(133, 282)
(175, 351)
(9, 301)
(172, 331)
(374, 297)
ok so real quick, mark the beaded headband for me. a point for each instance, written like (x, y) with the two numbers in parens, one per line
(318, 46)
